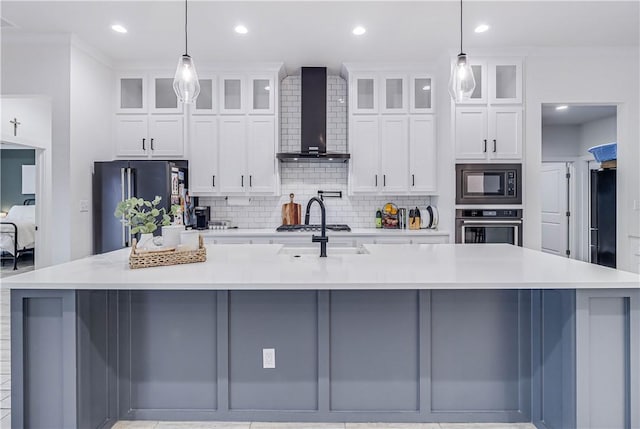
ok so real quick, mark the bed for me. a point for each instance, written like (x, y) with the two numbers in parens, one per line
(18, 231)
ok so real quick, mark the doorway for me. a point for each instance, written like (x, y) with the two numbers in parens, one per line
(568, 191)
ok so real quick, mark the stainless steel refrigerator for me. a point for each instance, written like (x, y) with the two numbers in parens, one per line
(115, 181)
(603, 217)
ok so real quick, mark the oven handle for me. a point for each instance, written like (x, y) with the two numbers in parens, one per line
(504, 222)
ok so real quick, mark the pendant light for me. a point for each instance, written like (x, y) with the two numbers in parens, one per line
(461, 83)
(185, 82)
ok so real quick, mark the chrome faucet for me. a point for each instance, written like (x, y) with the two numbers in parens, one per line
(322, 239)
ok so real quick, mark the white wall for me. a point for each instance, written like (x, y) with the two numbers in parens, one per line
(92, 100)
(568, 76)
(39, 65)
(560, 142)
(597, 132)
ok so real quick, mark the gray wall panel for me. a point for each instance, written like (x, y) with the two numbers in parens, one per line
(43, 360)
(374, 350)
(173, 350)
(286, 321)
(475, 350)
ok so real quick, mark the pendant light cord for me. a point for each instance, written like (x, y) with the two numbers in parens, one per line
(461, 26)
(186, 13)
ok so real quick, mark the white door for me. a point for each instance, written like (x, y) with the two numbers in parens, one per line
(554, 187)
(471, 133)
(261, 155)
(131, 135)
(233, 155)
(203, 159)
(166, 136)
(394, 154)
(505, 133)
(364, 147)
(422, 154)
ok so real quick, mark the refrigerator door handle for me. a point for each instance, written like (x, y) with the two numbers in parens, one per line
(122, 195)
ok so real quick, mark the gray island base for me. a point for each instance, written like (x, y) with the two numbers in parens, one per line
(88, 353)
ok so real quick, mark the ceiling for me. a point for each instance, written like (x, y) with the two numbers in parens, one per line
(319, 32)
(575, 114)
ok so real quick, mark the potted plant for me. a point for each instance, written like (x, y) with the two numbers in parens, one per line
(144, 217)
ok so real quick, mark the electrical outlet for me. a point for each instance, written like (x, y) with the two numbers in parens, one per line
(268, 358)
(84, 206)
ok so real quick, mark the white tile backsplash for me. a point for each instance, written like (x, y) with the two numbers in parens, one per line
(306, 178)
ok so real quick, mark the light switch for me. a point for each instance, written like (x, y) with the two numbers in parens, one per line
(268, 358)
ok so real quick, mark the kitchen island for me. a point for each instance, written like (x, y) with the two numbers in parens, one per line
(414, 333)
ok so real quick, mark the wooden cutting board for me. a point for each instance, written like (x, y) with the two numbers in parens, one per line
(291, 212)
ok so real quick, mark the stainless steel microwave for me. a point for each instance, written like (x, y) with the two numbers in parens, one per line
(488, 184)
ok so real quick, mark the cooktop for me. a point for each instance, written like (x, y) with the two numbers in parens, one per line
(294, 228)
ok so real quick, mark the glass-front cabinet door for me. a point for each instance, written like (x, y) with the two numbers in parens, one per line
(132, 94)
(421, 94)
(506, 81)
(231, 94)
(364, 92)
(261, 91)
(206, 102)
(163, 96)
(394, 94)
(479, 69)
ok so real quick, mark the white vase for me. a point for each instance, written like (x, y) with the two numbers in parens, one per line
(146, 241)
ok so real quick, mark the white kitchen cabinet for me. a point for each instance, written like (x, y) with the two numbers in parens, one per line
(261, 155)
(145, 136)
(498, 81)
(421, 93)
(394, 93)
(232, 89)
(488, 133)
(365, 148)
(505, 131)
(163, 97)
(233, 155)
(261, 91)
(394, 155)
(422, 154)
(363, 90)
(207, 102)
(203, 156)
(131, 93)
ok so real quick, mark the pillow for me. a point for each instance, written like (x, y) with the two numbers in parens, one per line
(27, 213)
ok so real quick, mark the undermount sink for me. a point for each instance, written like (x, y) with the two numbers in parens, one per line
(315, 251)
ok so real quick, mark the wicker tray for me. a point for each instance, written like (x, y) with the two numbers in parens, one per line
(166, 257)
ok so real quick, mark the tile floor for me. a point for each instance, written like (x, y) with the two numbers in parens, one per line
(5, 400)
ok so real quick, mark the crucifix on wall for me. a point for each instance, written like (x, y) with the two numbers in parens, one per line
(15, 126)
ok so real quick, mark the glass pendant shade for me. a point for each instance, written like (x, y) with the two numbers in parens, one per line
(186, 83)
(462, 83)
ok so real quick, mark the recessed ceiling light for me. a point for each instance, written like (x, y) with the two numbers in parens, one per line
(426, 87)
(562, 107)
(118, 28)
(241, 29)
(481, 28)
(359, 30)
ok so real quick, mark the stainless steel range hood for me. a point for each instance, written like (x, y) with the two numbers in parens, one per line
(313, 138)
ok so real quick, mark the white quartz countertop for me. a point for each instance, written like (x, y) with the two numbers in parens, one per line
(264, 266)
(356, 232)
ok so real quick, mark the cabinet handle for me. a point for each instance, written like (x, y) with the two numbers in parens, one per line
(151, 144)
(242, 181)
(485, 145)
(250, 180)
(143, 148)
(413, 180)
(214, 181)
(384, 180)
(376, 180)
(494, 145)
